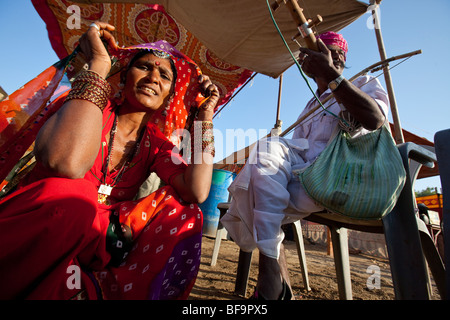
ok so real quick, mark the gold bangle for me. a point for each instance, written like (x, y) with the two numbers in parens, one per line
(202, 137)
(90, 86)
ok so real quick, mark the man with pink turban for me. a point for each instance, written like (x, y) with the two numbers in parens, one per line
(267, 192)
(335, 41)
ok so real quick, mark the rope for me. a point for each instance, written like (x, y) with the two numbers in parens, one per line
(232, 97)
(307, 82)
(298, 65)
(308, 116)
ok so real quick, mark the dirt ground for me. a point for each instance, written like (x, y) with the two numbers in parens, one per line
(217, 283)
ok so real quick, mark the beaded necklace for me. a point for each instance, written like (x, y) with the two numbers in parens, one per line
(104, 191)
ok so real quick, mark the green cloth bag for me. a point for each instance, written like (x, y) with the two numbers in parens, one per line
(359, 177)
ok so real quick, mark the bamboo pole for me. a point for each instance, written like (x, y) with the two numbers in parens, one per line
(366, 70)
(243, 153)
(278, 122)
(398, 134)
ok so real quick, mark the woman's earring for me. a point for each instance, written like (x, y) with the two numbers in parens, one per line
(119, 96)
(167, 108)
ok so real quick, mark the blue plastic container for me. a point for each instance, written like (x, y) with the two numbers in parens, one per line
(221, 180)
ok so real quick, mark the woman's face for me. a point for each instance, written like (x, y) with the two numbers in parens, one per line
(149, 82)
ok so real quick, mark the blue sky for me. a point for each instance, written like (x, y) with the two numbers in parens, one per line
(420, 84)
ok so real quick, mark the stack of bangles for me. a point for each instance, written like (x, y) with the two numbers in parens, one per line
(90, 86)
(202, 138)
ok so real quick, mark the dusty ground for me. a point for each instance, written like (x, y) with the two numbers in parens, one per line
(217, 283)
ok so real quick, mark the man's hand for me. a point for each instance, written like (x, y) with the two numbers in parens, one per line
(320, 64)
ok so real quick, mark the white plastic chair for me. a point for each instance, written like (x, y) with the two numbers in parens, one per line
(408, 242)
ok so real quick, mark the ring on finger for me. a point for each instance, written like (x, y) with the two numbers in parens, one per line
(96, 27)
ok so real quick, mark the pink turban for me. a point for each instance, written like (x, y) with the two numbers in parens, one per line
(331, 38)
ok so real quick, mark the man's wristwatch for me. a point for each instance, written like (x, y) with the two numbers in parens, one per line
(335, 83)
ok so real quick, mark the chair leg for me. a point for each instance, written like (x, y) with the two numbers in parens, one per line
(433, 258)
(339, 239)
(221, 231)
(298, 235)
(406, 259)
(243, 271)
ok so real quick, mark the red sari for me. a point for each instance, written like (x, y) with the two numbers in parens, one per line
(130, 249)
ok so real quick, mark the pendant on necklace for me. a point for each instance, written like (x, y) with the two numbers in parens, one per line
(103, 192)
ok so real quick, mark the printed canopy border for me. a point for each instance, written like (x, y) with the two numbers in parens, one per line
(135, 24)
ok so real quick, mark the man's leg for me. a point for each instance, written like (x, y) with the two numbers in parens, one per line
(272, 272)
(270, 178)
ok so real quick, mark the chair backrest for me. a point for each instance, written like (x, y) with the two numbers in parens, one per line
(441, 142)
(415, 166)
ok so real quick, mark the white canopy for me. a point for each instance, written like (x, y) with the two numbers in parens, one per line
(242, 33)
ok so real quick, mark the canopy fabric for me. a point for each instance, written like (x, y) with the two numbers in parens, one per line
(136, 24)
(229, 40)
(242, 33)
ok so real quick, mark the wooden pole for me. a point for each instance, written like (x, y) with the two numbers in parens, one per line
(398, 134)
(365, 71)
(329, 244)
(278, 122)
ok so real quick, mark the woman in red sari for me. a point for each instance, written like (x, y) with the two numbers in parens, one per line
(72, 229)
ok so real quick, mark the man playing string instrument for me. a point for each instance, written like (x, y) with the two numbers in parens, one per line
(266, 193)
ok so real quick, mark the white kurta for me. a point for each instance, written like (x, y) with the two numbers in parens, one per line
(266, 193)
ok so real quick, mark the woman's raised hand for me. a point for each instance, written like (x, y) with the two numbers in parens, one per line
(91, 43)
(210, 91)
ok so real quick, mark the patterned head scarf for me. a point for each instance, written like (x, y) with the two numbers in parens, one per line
(24, 112)
(331, 38)
(186, 99)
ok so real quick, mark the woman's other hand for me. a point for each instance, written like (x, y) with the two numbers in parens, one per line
(210, 91)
